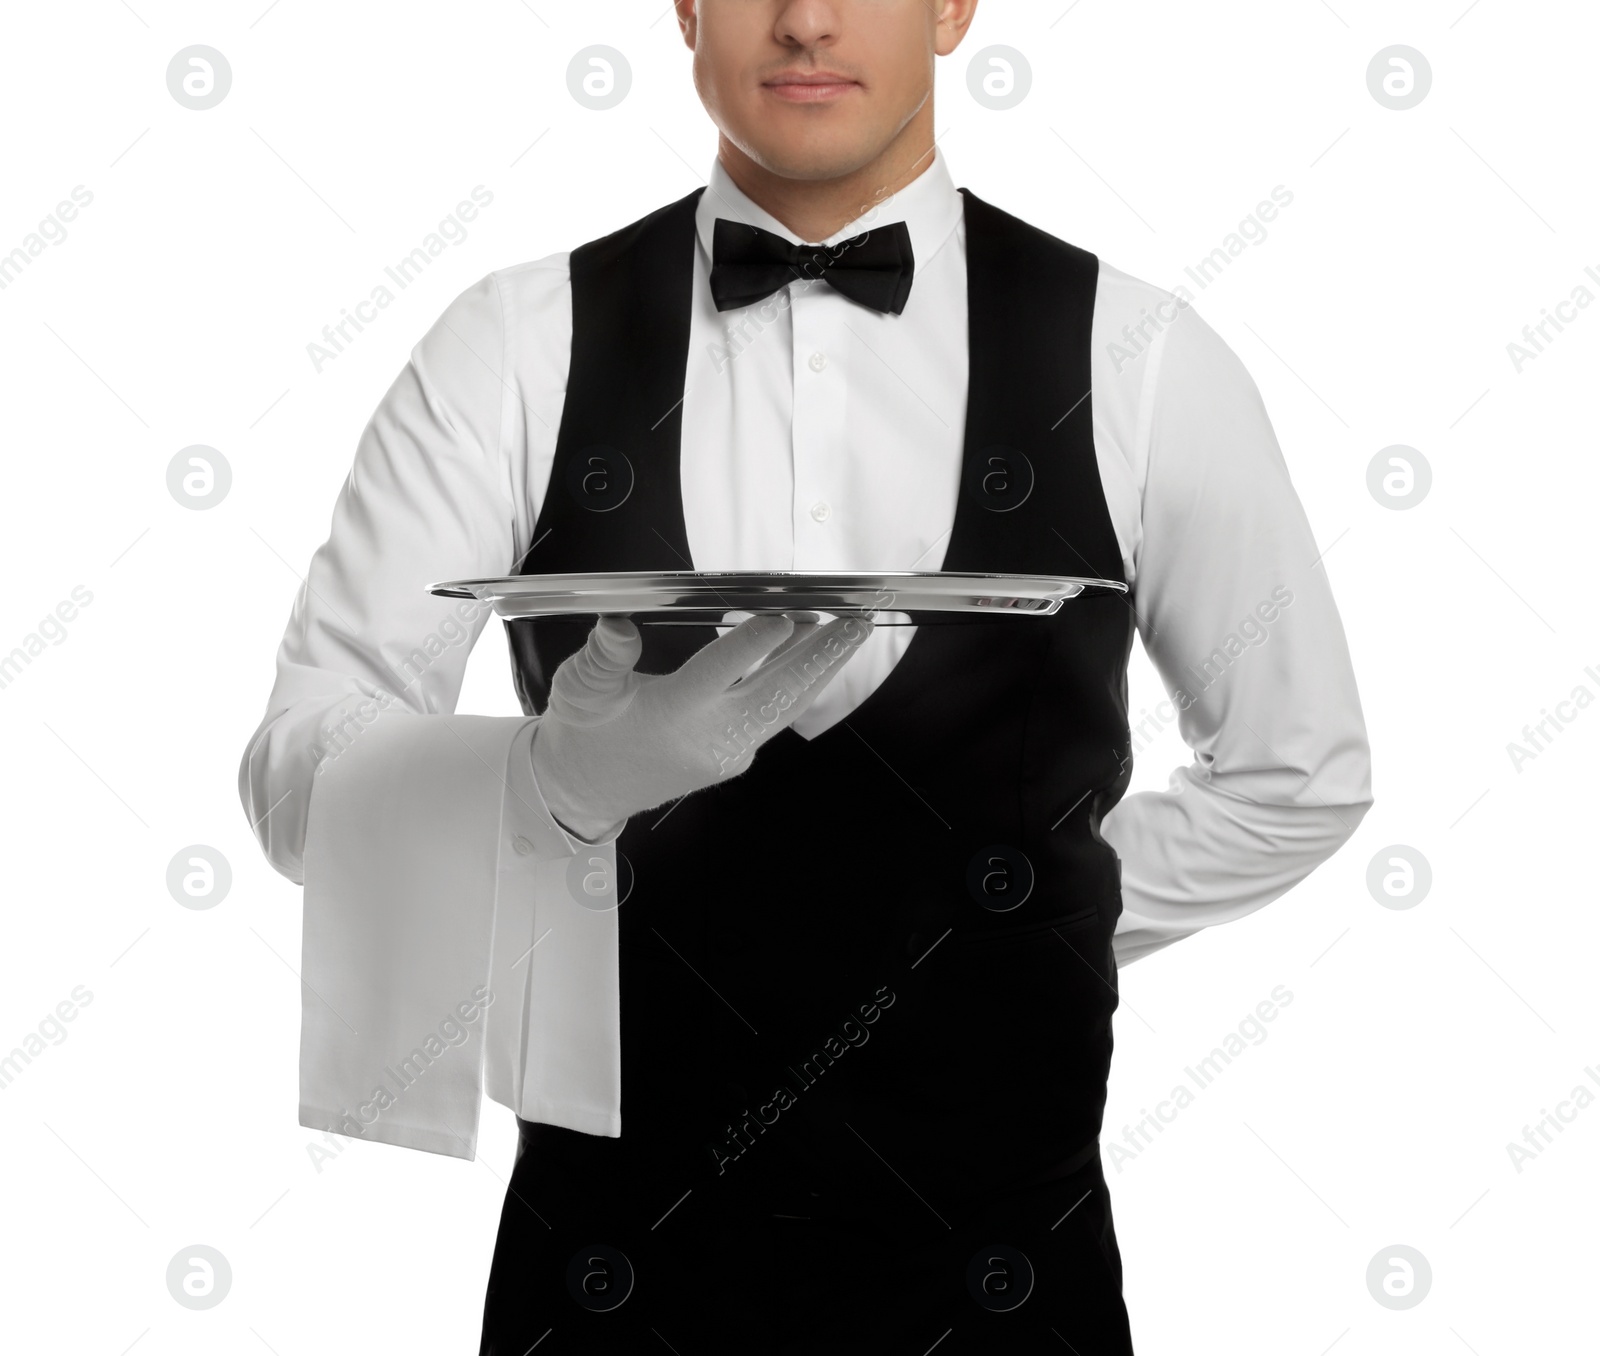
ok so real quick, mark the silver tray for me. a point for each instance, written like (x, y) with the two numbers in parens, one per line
(701, 598)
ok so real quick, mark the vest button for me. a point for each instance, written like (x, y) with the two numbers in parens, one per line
(819, 360)
(822, 511)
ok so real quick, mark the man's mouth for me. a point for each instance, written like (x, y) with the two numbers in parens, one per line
(810, 87)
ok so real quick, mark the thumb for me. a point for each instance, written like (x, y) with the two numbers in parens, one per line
(597, 683)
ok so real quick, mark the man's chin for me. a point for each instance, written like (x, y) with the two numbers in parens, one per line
(813, 159)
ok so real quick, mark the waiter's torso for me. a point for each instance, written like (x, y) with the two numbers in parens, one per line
(897, 932)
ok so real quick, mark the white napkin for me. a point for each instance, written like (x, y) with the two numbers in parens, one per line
(452, 928)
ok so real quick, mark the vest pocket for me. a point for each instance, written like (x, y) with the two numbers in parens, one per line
(1078, 918)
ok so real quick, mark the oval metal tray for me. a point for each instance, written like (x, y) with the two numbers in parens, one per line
(696, 597)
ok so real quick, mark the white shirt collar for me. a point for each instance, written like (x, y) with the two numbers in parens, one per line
(930, 206)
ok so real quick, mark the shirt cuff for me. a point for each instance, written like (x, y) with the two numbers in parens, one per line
(540, 810)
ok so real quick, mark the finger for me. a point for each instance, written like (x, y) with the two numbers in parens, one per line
(713, 668)
(817, 653)
(804, 624)
(788, 684)
(595, 684)
(807, 624)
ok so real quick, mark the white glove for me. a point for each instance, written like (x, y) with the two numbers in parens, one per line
(614, 742)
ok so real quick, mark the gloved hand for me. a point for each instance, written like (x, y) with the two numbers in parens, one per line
(614, 742)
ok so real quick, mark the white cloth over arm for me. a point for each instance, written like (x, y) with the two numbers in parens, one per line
(430, 862)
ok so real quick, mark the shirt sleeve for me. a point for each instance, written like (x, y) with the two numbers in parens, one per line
(431, 496)
(425, 500)
(1239, 620)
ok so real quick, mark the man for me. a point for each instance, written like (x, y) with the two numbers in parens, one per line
(859, 992)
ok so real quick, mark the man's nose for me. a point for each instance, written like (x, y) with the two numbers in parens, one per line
(809, 23)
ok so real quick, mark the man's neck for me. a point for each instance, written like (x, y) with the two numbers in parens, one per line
(815, 209)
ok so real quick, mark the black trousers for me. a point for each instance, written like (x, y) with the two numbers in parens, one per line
(588, 1261)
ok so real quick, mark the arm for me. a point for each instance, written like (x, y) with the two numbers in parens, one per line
(1241, 624)
(429, 497)
(430, 862)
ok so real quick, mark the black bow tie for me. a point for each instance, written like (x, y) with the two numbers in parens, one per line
(748, 264)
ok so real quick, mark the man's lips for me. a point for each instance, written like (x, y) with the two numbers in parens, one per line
(810, 87)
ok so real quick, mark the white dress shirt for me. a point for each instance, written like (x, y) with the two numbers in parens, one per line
(817, 435)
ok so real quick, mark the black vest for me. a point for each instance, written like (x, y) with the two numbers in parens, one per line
(898, 933)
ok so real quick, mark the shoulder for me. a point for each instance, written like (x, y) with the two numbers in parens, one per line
(1149, 338)
(515, 318)
(540, 289)
(529, 289)
(532, 301)
(536, 297)
(1157, 370)
(1132, 321)
(1131, 315)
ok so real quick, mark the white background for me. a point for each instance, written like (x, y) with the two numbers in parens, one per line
(1419, 1042)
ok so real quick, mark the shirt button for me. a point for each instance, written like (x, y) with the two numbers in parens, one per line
(821, 511)
(819, 360)
(524, 846)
